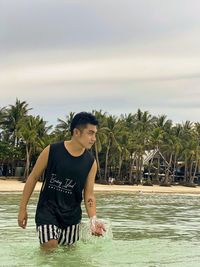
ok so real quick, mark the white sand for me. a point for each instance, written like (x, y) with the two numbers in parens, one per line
(13, 185)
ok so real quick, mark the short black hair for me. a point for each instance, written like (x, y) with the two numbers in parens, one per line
(80, 120)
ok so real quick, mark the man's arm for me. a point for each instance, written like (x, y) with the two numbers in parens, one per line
(37, 171)
(89, 198)
(97, 227)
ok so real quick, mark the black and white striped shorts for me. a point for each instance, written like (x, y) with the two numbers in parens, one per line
(66, 236)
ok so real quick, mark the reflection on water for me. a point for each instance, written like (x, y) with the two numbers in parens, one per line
(148, 230)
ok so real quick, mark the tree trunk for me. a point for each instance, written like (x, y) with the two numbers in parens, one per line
(195, 170)
(137, 167)
(157, 171)
(196, 165)
(166, 179)
(120, 164)
(131, 169)
(140, 169)
(186, 171)
(149, 168)
(13, 167)
(97, 159)
(106, 163)
(175, 166)
(190, 171)
(27, 163)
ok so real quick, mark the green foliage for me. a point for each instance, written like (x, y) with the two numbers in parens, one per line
(121, 142)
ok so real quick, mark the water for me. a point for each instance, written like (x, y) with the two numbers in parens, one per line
(149, 230)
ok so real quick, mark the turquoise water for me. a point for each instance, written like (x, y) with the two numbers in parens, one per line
(148, 230)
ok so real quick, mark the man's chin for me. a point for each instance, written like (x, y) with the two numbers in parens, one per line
(89, 146)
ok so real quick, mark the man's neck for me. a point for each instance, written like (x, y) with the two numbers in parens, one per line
(74, 148)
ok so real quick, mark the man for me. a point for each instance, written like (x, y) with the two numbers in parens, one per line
(70, 169)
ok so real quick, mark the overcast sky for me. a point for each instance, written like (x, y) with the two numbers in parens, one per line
(113, 55)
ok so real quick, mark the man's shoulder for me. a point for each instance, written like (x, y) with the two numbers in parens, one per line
(56, 146)
(90, 155)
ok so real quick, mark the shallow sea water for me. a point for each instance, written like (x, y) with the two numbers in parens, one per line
(147, 230)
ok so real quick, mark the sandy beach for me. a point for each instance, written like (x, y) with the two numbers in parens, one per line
(14, 185)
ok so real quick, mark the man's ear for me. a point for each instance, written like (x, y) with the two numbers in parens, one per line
(76, 131)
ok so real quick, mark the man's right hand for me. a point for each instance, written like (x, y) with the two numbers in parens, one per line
(97, 227)
(22, 218)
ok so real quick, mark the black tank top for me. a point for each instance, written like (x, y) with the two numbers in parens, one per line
(61, 193)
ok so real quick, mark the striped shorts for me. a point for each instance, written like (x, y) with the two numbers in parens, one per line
(66, 236)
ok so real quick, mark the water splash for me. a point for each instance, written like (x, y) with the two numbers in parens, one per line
(87, 237)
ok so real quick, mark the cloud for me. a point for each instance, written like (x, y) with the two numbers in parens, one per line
(36, 25)
(135, 68)
(118, 56)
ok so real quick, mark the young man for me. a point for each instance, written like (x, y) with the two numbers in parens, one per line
(69, 169)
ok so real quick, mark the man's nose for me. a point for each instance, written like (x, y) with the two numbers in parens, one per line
(94, 138)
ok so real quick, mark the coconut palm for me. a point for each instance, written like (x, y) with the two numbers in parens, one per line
(197, 150)
(177, 144)
(2, 119)
(62, 129)
(124, 154)
(12, 116)
(101, 137)
(142, 126)
(2, 115)
(186, 137)
(163, 123)
(172, 147)
(112, 130)
(31, 129)
(156, 140)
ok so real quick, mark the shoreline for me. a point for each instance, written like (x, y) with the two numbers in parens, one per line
(14, 185)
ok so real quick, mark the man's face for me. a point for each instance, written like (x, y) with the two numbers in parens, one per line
(87, 136)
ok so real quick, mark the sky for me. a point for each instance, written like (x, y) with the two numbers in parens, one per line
(64, 56)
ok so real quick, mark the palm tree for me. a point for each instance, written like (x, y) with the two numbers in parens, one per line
(13, 114)
(171, 146)
(101, 137)
(197, 150)
(2, 115)
(62, 129)
(112, 129)
(2, 119)
(163, 123)
(186, 137)
(124, 143)
(177, 144)
(142, 126)
(156, 140)
(31, 130)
